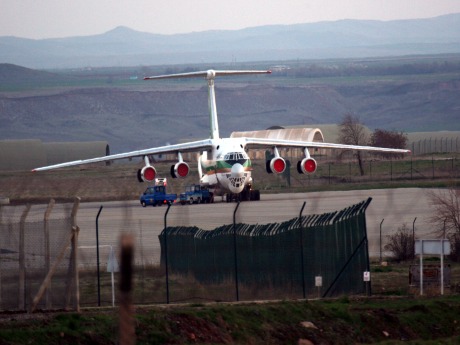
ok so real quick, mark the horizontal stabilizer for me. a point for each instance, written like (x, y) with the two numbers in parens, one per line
(209, 74)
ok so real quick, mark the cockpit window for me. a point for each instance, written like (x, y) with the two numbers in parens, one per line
(235, 156)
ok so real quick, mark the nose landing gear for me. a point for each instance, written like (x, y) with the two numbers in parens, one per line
(247, 194)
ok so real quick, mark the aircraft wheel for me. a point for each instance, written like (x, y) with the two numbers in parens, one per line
(143, 204)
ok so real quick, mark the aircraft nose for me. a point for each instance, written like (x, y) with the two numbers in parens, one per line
(236, 179)
(237, 170)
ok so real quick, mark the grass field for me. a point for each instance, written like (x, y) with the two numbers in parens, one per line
(395, 314)
(119, 182)
(338, 321)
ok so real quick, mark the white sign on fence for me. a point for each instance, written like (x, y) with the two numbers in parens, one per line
(367, 276)
(318, 281)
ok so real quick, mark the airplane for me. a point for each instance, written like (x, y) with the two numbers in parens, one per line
(223, 163)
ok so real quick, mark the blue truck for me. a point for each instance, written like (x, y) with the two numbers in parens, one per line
(156, 195)
(196, 194)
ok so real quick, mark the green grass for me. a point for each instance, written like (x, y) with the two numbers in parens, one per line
(338, 321)
(119, 182)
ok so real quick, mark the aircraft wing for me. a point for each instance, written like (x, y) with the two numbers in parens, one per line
(185, 147)
(264, 143)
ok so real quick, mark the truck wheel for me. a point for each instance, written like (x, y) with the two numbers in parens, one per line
(182, 202)
(190, 201)
(143, 203)
(198, 201)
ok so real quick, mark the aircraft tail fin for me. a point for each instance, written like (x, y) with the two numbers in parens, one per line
(209, 75)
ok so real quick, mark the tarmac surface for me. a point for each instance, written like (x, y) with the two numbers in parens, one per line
(389, 210)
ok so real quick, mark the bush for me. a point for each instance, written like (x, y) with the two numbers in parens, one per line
(401, 244)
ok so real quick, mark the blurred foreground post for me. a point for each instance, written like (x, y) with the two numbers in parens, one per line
(127, 331)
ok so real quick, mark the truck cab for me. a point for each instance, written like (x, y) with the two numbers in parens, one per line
(156, 195)
(196, 194)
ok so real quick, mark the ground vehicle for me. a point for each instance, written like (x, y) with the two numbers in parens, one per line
(196, 194)
(156, 195)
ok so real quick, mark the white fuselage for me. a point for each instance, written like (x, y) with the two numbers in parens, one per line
(227, 167)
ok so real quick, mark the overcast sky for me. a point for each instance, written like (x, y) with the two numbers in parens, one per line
(63, 18)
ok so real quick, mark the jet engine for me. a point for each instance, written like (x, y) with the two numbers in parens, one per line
(276, 165)
(180, 169)
(307, 166)
(146, 174)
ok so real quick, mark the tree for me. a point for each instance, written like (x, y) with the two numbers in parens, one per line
(446, 216)
(353, 132)
(390, 139)
(446, 210)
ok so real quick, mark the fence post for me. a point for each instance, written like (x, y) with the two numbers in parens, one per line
(413, 238)
(22, 260)
(235, 254)
(391, 169)
(166, 253)
(97, 257)
(47, 249)
(381, 240)
(76, 304)
(74, 258)
(301, 249)
(126, 310)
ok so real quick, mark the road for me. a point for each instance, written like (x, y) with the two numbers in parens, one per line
(392, 206)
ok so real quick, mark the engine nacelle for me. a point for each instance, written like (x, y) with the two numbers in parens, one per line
(180, 169)
(307, 166)
(146, 174)
(276, 165)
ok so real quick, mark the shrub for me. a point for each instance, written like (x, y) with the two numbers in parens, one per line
(401, 244)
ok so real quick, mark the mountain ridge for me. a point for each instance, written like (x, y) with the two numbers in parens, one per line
(123, 46)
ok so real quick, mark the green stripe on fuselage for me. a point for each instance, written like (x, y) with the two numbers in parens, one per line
(224, 166)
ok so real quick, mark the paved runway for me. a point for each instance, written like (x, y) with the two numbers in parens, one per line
(393, 206)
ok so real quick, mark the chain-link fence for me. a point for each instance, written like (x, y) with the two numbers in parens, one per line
(38, 261)
(315, 255)
(375, 170)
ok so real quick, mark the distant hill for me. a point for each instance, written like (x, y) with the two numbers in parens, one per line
(143, 114)
(14, 77)
(340, 39)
